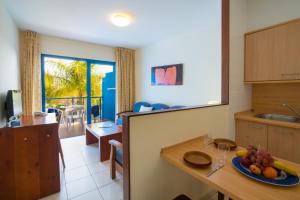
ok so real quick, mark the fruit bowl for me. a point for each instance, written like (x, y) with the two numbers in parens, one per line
(283, 179)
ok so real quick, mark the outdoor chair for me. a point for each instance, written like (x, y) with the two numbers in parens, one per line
(74, 113)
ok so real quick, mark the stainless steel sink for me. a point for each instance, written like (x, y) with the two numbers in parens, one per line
(277, 117)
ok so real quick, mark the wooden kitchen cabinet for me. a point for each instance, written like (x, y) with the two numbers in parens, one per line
(284, 143)
(251, 133)
(272, 54)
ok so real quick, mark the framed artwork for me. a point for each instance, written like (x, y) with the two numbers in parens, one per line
(167, 75)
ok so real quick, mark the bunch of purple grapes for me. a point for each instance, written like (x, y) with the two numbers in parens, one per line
(252, 151)
(260, 158)
(263, 159)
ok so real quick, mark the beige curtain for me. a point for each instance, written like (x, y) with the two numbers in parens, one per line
(125, 63)
(31, 73)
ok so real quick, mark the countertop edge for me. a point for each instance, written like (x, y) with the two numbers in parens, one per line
(250, 116)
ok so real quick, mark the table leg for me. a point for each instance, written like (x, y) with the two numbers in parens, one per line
(104, 146)
(90, 138)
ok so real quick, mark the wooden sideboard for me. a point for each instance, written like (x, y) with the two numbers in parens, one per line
(29, 159)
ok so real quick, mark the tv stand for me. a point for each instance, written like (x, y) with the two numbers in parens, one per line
(29, 158)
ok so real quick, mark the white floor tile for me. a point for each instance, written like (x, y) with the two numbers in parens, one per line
(62, 178)
(98, 166)
(76, 181)
(103, 178)
(72, 164)
(112, 191)
(80, 187)
(93, 195)
(70, 155)
(91, 158)
(77, 173)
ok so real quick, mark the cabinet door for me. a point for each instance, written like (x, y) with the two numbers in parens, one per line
(49, 159)
(272, 54)
(251, 133)
(7, 182)
(284, 143)
(26, 143)
(261, 56)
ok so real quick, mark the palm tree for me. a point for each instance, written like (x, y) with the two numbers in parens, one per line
(64, 79)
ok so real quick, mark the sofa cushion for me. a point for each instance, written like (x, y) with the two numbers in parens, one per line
(119, 156)
(159, 106)
(137, 105)
(145, 108)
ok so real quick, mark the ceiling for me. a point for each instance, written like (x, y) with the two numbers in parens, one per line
(88, 20)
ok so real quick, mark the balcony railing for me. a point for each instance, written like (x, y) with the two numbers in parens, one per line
(63, 102)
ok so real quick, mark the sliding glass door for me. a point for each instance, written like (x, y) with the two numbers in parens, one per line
(69, 81)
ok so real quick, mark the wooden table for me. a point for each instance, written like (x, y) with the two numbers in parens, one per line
(95, 133)
(227, 180)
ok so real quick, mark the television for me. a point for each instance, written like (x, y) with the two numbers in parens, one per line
(14, 103)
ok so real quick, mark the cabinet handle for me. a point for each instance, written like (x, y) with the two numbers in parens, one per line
(25, 139)
(48, 135)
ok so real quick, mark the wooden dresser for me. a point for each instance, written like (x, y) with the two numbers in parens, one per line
(29, 159)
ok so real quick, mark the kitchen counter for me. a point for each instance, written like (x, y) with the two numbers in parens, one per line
(250, 116)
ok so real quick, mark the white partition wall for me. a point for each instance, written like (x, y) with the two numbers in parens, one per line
(150, 176)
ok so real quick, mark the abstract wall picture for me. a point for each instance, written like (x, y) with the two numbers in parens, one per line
(167, 75)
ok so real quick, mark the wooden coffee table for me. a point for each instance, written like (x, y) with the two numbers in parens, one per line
(103, 132)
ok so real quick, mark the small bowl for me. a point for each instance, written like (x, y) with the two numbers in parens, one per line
(197, 159)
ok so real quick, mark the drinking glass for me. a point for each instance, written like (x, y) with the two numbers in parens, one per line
(223, 150)
(207, 140)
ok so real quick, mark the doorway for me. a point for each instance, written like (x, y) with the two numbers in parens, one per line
(69, 82)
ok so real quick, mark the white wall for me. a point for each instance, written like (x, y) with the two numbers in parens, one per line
(262, 13)
(73, 48)
(239, 93)
(9, 57)
(151, 177)
(199, 51)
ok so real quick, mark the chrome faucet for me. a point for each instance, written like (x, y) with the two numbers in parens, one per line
(291, 108)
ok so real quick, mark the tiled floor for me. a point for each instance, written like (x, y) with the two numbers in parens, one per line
(85, 178)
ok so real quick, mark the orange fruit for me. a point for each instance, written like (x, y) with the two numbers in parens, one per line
(270, 172)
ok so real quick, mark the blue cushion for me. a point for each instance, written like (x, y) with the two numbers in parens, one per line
(159, 106)
(176, 107)
(137, 105)
(119, 121)
(119, 156)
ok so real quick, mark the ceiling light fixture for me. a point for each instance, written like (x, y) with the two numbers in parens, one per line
(120, 19)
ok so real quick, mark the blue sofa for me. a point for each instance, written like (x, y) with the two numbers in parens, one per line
(137, 106)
